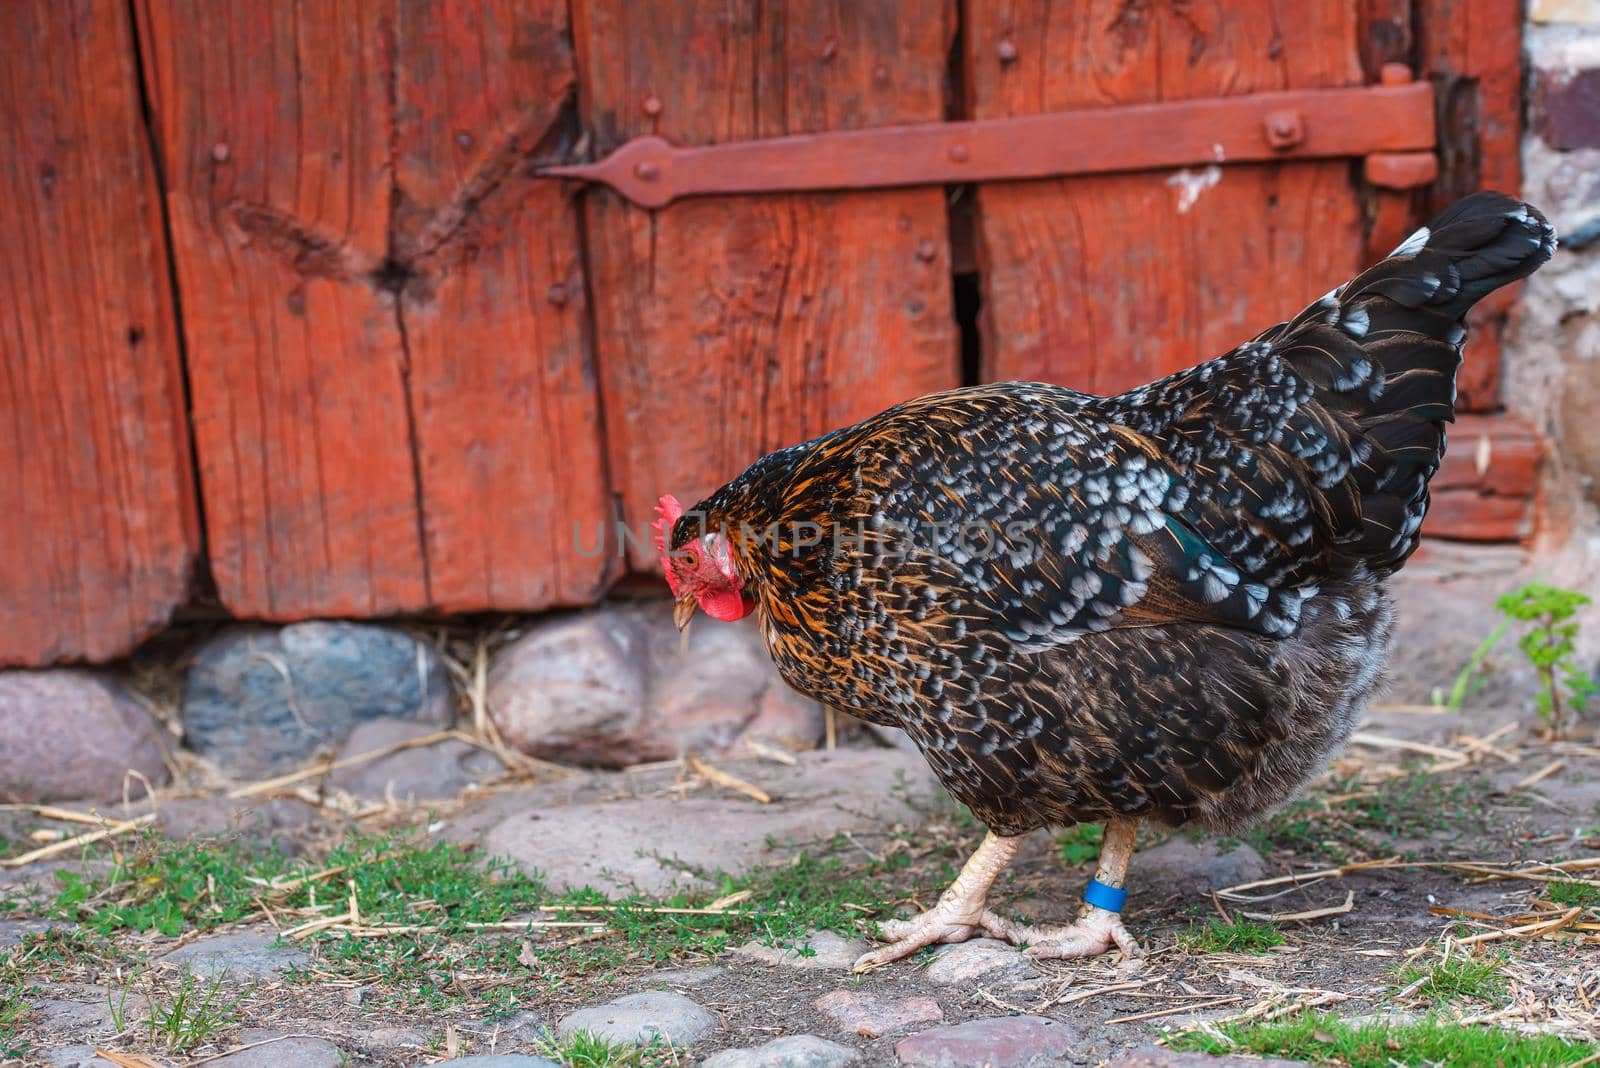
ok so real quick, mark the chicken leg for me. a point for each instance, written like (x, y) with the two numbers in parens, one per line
(960, 913)
(1096, 929)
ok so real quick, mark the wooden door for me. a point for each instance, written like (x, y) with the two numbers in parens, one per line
(1108, 282)
(97, 511)
(1103, 283)
(728, 327)
(395, 407)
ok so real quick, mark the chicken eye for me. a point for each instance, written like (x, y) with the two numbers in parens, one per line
(690, 558)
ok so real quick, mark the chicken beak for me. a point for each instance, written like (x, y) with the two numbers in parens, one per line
(683, 611)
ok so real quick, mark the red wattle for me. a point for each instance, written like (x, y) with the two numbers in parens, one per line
(727, 605)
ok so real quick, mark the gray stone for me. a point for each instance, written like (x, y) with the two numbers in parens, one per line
(722, 688)
(615, 686)
(856, 1012)
(260, 701)
(966, 961)
(502, 1060)
(71, 734)
(573, 689)
(78, 1056)
(425, 773)
(274, 1049)
(14, 931)
(273, 821)
(822, 951)
(791, 1051)
(621, 845)
(689, 976)
(238, 954)
(392, 1036)
(997, 1042)
(1187, 868)
(86, 1011)
(640, 1018)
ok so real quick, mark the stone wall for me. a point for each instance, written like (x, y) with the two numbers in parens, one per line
(1553, 346)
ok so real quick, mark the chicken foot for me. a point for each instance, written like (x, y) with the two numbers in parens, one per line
(1096, 929)
(960, 913)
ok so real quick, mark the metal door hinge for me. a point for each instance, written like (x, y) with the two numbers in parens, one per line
(1390, 124)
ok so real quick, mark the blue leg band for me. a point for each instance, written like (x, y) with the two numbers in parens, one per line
(1105, 897)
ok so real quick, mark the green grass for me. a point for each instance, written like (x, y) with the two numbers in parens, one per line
(156, 884)
(13, 1009)
(1411, 807)
(813, 892)
(1239, 936)
(1573, 894)
(1459, 976)
(172, 887)
(1079, 843)
(182, 1018)
(1327, 1039)
(584, 1050)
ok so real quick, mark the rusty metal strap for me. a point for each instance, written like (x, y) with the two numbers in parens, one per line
(1303, 124)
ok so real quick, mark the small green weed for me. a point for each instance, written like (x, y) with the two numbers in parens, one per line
(1549, 643)
(1079, 843)
(584, 1050)
(173, 886)
(447, 888)
(1456, 977)
(1573, 894)
(1342, 830)
(13, 1009)
(1239, 936)
(1326, 1039)
(184, 1017)
(165, 886)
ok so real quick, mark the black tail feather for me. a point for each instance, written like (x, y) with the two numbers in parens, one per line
(1382, 352)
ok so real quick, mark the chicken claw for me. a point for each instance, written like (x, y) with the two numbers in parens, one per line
(958, 916)
(1093, 933)
(942, 923)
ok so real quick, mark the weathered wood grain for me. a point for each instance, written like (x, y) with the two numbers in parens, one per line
(1104, 283)
(1472, 52)
(97, 514)
(728, 327)
(394, 405)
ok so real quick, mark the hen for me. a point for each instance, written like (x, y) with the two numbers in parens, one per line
(1167, 605)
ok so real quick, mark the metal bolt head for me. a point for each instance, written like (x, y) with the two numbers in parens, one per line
(557, 295)
(652, 105)
(926, 251)
(959, 153)
(1007, 51)
(463, 140)
(646, 171)
(1283, 129)
(220, 152)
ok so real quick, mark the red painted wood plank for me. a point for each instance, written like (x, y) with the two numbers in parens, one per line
(1106, 283)
(97, 514)
(394, 405)
(1472, 52)
(727, 327)
(1487, 487)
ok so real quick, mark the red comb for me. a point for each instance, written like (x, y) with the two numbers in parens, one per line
(667, 513)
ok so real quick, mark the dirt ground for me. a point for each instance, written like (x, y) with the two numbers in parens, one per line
(1420, 813)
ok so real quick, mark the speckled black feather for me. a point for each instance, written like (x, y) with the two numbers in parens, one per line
(1167, 603)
